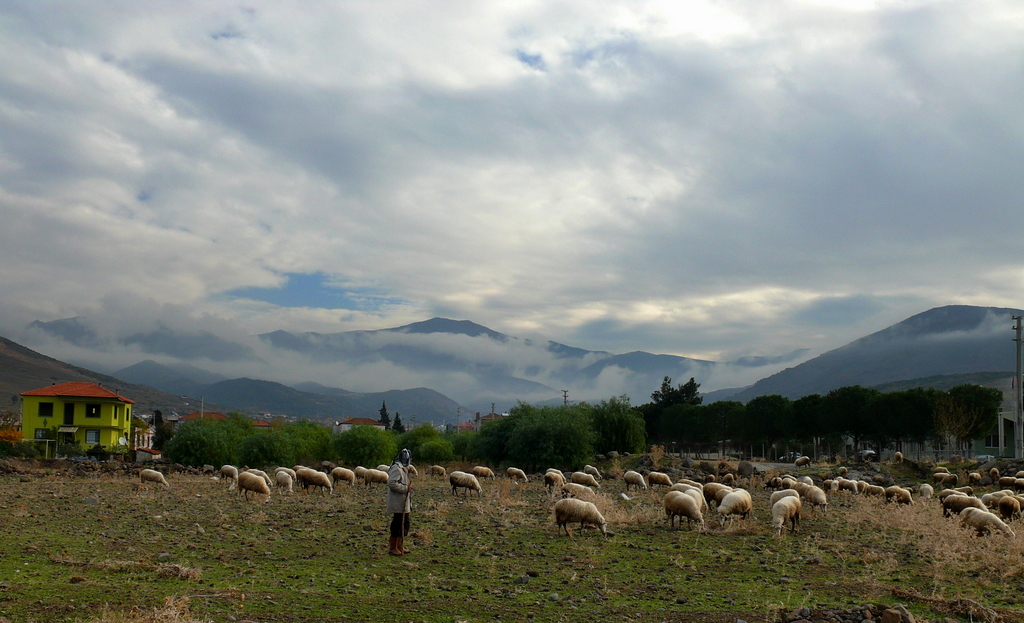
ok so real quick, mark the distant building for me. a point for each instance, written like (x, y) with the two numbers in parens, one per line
(205, 415)
(86, 413)
(341, 427)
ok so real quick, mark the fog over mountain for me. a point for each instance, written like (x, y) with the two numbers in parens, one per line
(465, 361)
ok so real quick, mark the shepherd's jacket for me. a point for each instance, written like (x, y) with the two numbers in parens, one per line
(398, 485)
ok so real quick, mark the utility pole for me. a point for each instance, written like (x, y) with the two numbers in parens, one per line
(565, 397)
(1018, 429)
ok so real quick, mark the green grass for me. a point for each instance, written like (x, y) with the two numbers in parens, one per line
(317, 558)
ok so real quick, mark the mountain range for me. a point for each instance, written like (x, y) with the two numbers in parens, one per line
(464, 363)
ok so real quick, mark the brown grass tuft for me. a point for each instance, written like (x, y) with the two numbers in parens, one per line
(174, 610)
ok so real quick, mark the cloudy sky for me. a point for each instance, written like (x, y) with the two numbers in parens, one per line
(709, 179)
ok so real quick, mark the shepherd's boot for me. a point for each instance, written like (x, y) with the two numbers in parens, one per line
(401, 545)
(395, 546)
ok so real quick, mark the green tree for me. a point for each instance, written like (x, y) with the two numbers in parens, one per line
(465, 445)
(365, 445)
(684, 393)
(384, 419)
(771, 417)
(848, 409)
(966, 412)
(398, 426)
(266, 448)
(435, 451)
(415, 438)
(203, 442)
(618, 426)
(311, 442)
(658, 429)
(538, 436)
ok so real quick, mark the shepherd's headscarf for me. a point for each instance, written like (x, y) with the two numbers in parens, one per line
(404, 457)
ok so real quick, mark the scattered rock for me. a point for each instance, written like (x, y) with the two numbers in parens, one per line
(745, 469)
(553, 597)
(163, 557)
(77, 579)
(613, 455)
(523, 579)
(90, 501)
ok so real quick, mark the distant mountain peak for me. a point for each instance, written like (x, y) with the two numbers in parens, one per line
(447, 325)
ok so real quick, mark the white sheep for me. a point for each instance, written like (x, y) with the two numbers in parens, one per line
(994, 474)
(816, 498)
(554, 479)
(359, 471)
(262, 474)
(374, 476)
(843, 471)
(692, 483)
(941, 470)
(699, 498)
(984, 522)
(802, 461)
(898, 457)
(1009, 507)
(151, 475)
(728, 479)
(437, 470)
(413, 472)
(874, 490)
(786, 509)
(1006, 482)
(343, 475)
(679, 504)
(516, 474)
(899, 495)
(925, 491)
(383, 468)
(584, 479)
(845, 484)
(712, 489)
(593, 471)
(229, 472)
(576, 490)
(634, 479)
(957, 502)
(482, 472)
(571, 510)
(312, 478)
(284, 481)
(974, 478)
(736, 502)
(658, 478)
(465, 481)
(250, 482)
(783, 493)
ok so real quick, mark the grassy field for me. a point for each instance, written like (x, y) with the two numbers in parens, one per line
(90, 548)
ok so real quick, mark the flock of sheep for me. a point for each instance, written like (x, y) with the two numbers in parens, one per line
(685, 499)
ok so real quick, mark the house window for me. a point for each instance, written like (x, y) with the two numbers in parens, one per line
(116, 409)
(45, 409)
(92, 436)
(42, 433)
(992, 441)
(92, 410)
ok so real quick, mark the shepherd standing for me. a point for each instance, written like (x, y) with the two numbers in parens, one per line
(399, 488)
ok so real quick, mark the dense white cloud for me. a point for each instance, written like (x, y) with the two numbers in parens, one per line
(704, 179)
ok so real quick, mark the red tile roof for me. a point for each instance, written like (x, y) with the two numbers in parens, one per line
(209, 415)
(362, 421)
(77, 389)
(261, 423)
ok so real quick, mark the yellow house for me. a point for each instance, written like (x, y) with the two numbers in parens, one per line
(82, 412)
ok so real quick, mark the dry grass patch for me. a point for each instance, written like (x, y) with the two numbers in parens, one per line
(175, 610)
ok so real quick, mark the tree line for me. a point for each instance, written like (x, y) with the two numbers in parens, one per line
(868, 417)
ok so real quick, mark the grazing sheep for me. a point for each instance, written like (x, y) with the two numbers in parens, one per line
(593, 471)
(861, 487)
(778, 495)
(284, 481)
(151, 475)
(584, 479)
(728, 479)
(1009, 507)
(940, 470)
(787, 482)
(1018, 484)
(786, 509)
(1006, 482)
(925, 491)
(816, 497)
(344, 475)
(571, 510)
(712, 488)
(830, 486)
(702, 504)
(966, 489)
(412, 470)
(991, 499)
(692, 483)
(465, 481)
(683, 486)
(262, 474)
(634, 479)
(953, 504)
(482, 472)
(898, 457)
(974, 478)
(736, 502)
(287, 470)
(311, 478)
(250, 482)
(437, 470)
(945, 493)
(874, 490)
(658, 478)
(994, 474)
(984, 522)
(229, 472)
(843, 472)
(773, 483)
(807, 480)
(374, 476)
(678, 504)
(845, 484)
(802, 461)
(554, 479)
(516, 474)
(1019, 474)
(576, 490)
(899, 495)
(382, 467)
(359, 471)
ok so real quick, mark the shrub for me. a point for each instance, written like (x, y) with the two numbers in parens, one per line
(435, 451)
(264, 448)
(365, 445)
(311, 442)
